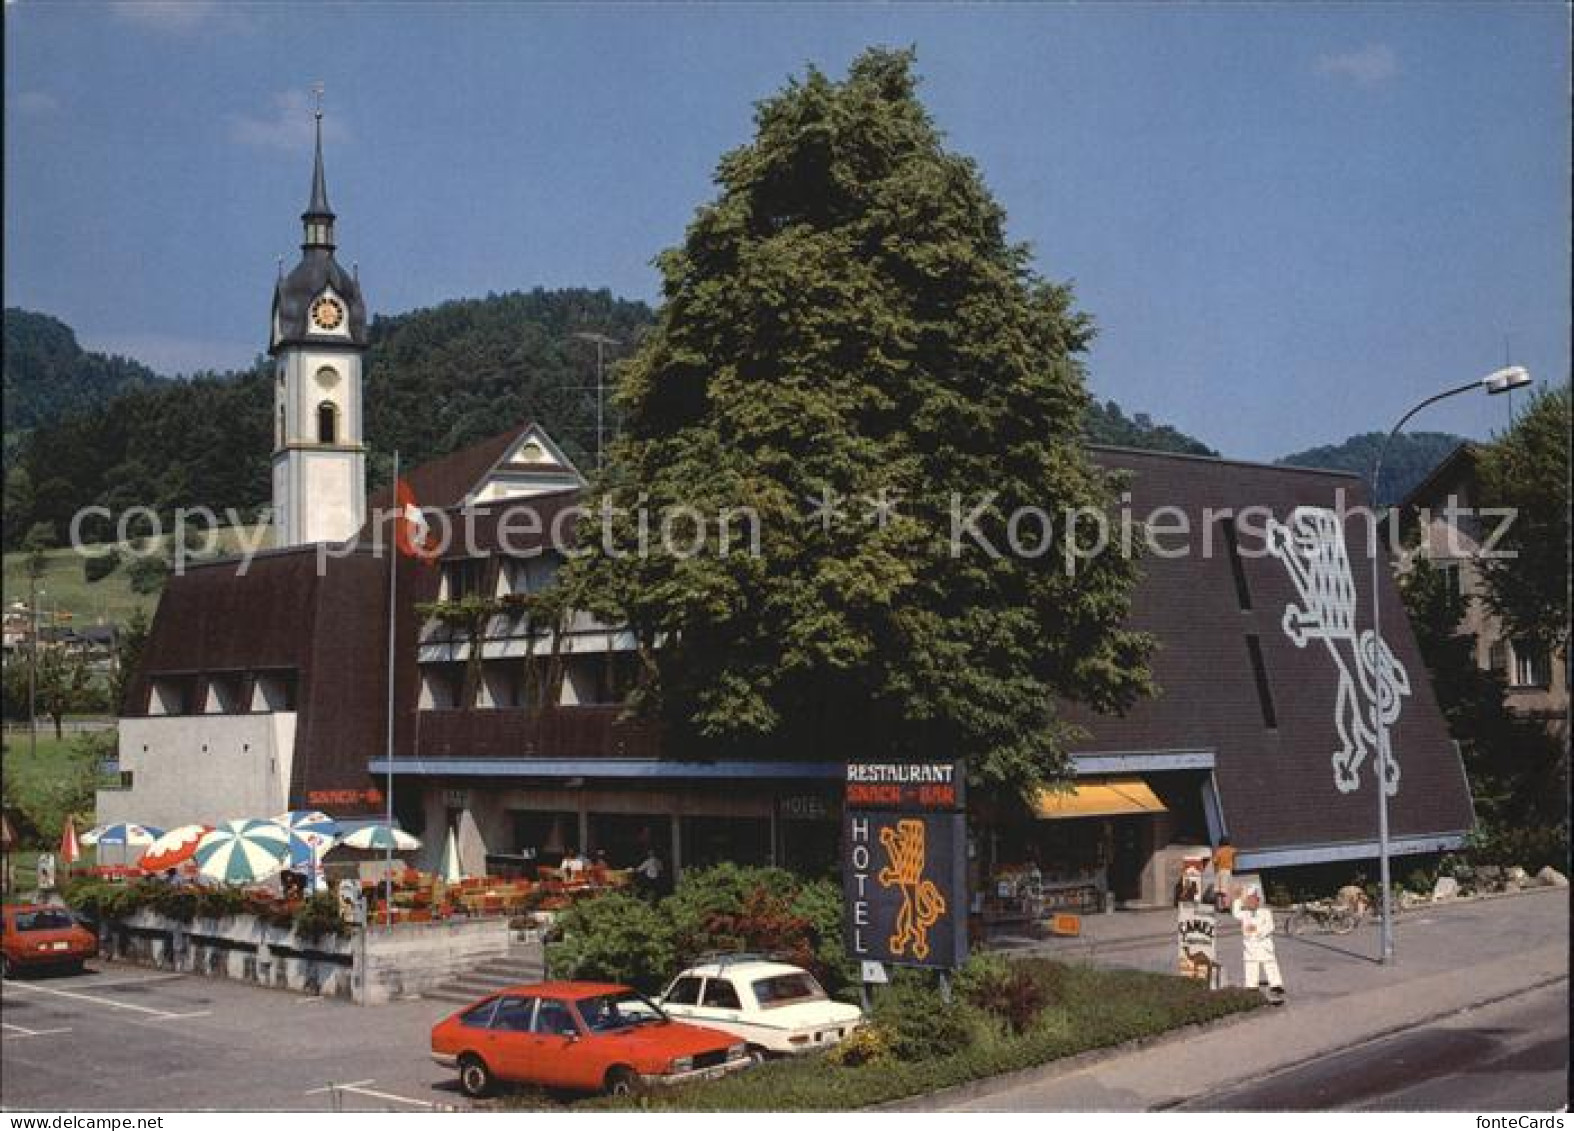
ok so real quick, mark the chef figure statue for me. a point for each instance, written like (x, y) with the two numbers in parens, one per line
(1257, 942)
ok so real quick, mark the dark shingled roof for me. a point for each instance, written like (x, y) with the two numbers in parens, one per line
(444, 482)
(1275, 783)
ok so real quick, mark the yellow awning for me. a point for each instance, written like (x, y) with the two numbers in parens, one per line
(1098, 797)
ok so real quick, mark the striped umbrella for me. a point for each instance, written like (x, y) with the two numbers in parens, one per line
(381, 838)
(174, 847)
(122, 834)
(243, 852)
(312, 819)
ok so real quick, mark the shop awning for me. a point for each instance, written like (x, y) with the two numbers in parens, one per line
(1098, 797)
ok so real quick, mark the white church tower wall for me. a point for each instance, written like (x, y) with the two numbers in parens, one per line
(318, 343)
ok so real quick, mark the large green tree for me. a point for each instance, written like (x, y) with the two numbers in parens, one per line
(848, 322)
(1527, 469)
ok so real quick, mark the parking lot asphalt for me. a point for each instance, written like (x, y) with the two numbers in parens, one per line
(127, 1038)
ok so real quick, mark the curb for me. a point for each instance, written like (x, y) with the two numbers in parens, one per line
(1372, 1038)
(1050, 948)
(1005, 1081)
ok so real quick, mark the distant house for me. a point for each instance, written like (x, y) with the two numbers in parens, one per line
(1440, 513)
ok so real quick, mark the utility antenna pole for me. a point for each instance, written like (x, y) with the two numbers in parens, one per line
(601, 341)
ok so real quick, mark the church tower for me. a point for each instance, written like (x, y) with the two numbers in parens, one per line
(318, 341)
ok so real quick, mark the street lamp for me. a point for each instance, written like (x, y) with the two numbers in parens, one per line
(601, 341)
(1498, 381)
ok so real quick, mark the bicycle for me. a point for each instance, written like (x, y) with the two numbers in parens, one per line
(1323, 918)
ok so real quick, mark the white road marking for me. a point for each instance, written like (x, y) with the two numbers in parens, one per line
(359, 1088)
(331, 1087)
(23, 1031)
(162, 1014)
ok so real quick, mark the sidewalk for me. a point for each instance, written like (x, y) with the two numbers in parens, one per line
(1450, 957)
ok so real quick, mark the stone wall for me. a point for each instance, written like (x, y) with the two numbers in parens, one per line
(370, 967)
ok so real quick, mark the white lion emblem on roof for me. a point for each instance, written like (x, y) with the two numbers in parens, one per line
(1312, 547)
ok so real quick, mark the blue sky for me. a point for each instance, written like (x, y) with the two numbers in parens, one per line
(1290, 222)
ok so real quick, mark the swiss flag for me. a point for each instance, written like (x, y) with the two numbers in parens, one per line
(411, 533)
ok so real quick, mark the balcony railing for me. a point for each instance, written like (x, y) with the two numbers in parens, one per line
(519, 732)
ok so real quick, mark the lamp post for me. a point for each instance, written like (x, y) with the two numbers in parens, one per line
(1498, 381)
(601, 341)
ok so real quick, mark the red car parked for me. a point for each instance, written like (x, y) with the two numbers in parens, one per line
(33, 936)
(579, 1036)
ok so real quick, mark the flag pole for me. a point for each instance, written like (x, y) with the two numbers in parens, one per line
(388, 754)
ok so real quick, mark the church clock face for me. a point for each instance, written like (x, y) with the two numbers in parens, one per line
(327, 314)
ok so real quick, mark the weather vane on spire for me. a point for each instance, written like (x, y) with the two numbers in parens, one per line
(317, 92)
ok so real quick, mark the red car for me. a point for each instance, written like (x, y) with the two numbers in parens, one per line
(34, 936)
(578, 1036)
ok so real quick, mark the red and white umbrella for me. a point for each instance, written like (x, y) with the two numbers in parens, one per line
(174, 847)
(70, 850)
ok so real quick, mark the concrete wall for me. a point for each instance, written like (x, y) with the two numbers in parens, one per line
(411, 958)
(187, 768)
(371, 967)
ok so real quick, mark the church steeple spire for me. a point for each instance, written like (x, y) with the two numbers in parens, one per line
(318, 217)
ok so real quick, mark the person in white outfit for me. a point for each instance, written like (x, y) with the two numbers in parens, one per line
(1257, 942)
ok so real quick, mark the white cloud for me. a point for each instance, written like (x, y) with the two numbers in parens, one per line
(286, 126)
(178, 16)
(35, 103)
(1365, 66)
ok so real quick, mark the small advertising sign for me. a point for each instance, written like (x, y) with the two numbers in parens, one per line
(1196, 927)
(905, 864)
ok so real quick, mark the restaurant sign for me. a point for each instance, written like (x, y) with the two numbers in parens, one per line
(904, 852)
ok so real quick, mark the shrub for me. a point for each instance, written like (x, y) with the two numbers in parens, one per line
(729, 907)
(616, 938)
(320, 916)
(918, 1023)
(147, 573)
(96, 567)
(1015, 992)
(867, 1044)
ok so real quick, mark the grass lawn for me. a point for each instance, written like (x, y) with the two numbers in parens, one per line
(35, 781)
(31, 771)
(1089, 1008)
(108, 600)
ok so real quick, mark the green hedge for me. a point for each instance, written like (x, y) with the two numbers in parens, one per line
(100, 899)
(1088, 1008)
(619, 937)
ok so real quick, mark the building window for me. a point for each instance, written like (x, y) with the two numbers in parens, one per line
(327, 423)
(273, 691)
(1531, 667)
(503, 684)
(281, 426)
(1497, 658)
(462, 578)
(442, 686)
(170, 695)
(527, 575)
(1452, 577)
(1264, 690)
(227, 694)
(1232, 546)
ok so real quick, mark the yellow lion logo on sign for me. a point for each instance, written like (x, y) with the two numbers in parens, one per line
(922, 903)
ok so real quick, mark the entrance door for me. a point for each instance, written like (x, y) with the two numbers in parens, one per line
(1129, 857)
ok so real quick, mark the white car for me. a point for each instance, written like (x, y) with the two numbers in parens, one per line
(780, 1010)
